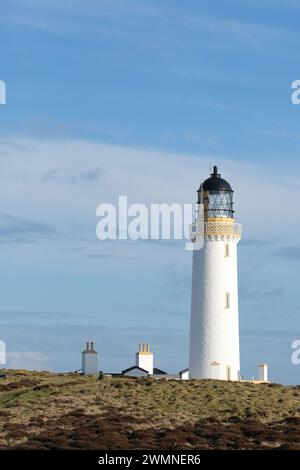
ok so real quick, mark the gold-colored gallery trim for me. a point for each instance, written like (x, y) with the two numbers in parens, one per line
(220, 219)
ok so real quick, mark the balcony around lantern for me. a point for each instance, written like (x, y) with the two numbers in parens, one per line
(216, 228)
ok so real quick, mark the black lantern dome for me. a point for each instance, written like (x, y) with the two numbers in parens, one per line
(217, 196)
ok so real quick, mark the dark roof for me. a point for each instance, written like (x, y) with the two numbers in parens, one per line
(113, 374)
(215, 182)
(134, 367)
(184, 370)
(158, 371)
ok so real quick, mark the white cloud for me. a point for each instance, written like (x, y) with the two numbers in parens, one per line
(264, 195)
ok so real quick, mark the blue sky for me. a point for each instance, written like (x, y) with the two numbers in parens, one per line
(138, 97)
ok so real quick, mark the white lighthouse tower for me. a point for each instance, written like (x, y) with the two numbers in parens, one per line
(214, 329)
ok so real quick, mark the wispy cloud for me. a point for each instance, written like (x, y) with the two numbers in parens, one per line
(72, 177)
(28, 164)
(145, 24)
(190, 137)
(19, 230)
(290, 252)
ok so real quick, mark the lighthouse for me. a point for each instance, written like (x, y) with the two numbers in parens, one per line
(214, 327)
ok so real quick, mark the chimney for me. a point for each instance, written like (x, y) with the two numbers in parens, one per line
(89, 360)
(144, 358)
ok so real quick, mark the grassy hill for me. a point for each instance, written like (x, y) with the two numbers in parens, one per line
(41, 410)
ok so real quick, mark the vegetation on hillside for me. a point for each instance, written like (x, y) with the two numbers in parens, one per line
(41, 410)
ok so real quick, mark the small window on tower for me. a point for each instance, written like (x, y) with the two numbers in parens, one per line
(227, 250)
(227, 300)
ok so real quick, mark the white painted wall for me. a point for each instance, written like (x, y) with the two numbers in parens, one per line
(263, 372)
(214, 330)
(215, 371)
(145, 361)
(89, 363)
(185, 375)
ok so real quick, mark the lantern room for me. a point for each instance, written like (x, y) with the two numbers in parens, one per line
(216, 195)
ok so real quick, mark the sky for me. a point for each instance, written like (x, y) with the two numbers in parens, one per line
(139, 98)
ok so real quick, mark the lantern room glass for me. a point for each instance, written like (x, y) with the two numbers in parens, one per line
(218, 204)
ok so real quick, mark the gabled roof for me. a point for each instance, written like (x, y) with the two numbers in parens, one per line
(132, 368)
(184, 370)
(158, 371)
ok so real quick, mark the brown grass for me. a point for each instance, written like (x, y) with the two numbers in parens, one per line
(39, 410)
